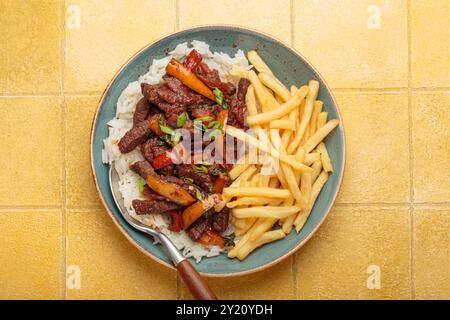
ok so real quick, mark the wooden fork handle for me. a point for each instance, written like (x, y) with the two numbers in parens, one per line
(197, 286)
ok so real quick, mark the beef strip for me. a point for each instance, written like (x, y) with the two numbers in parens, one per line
(202, 179)
(153, 206)
(177, 87)
(134, 137)
(141, 112)
(152, 148)
(167, 170)
(143, 168)
(204, 110)
(219, 220)
(191, 188)
(238, 108)
(171, 111)
(150, 194)
(196, 229)
(212, 79)
(177, 97)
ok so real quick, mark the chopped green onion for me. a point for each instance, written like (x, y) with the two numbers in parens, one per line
(141, 184)
(166, 129)
(181, 120)
(198, 125)
(204, 163)
(188, 180)
(225, 106)
(215, 124)
(200, 168)
(204, 119)
(176, 137)
(219, 95)
(198, 195)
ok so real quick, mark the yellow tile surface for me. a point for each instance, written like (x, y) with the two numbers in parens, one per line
(431, 141)
(31, 46)
(377, 164)
(432, 253)
(274, 283)
(111, 267)
(272, 17)
(430, 35)
(342, 39)
(80, 188)
(30, 165)
(334, 264)
(30, 255)
(102, 35)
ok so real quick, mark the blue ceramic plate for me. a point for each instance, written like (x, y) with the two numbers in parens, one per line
(291, 68)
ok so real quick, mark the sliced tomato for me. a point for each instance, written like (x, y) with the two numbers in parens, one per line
(162, 160)
(220, 183)
(192, 60)
(211, 238)
(153, 125)
(175, 224)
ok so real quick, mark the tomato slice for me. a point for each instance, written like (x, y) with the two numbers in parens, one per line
(220, 183)
(162, 160)
(175, 224)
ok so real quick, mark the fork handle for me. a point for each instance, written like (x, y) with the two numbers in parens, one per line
(197, 286)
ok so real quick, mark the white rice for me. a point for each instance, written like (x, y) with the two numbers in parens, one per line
(123, 121)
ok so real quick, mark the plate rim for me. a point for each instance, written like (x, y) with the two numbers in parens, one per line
(206, 27)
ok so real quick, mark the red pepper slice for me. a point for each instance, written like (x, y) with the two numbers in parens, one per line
(220, 183)
(162, 160)
(175, 224)
(192, 60)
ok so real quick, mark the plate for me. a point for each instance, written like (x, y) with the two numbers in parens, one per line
(291, 68)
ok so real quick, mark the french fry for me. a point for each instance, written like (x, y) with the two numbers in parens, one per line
(317, 168)
(250, 101)
(272, 102)
(236, 183)
(310, 158)
(234, 252)
(257, 62)
(246, 225)
(320, 134)
(252, 201)
(260, 92)
(313, 87)
(324, 157)
(282, 124)
(266, 237)
(255, 192)
(241, 135)
(318, 105)
(288, 173)
(293, 102)
(275, 85)
(261, 226)
(306, 185)
(301, 218)
(321, 120)
(265, 212)
(239, 168)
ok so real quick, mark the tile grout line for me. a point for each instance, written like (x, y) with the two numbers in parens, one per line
(294, 256)
(411, 150)
(63, 150)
